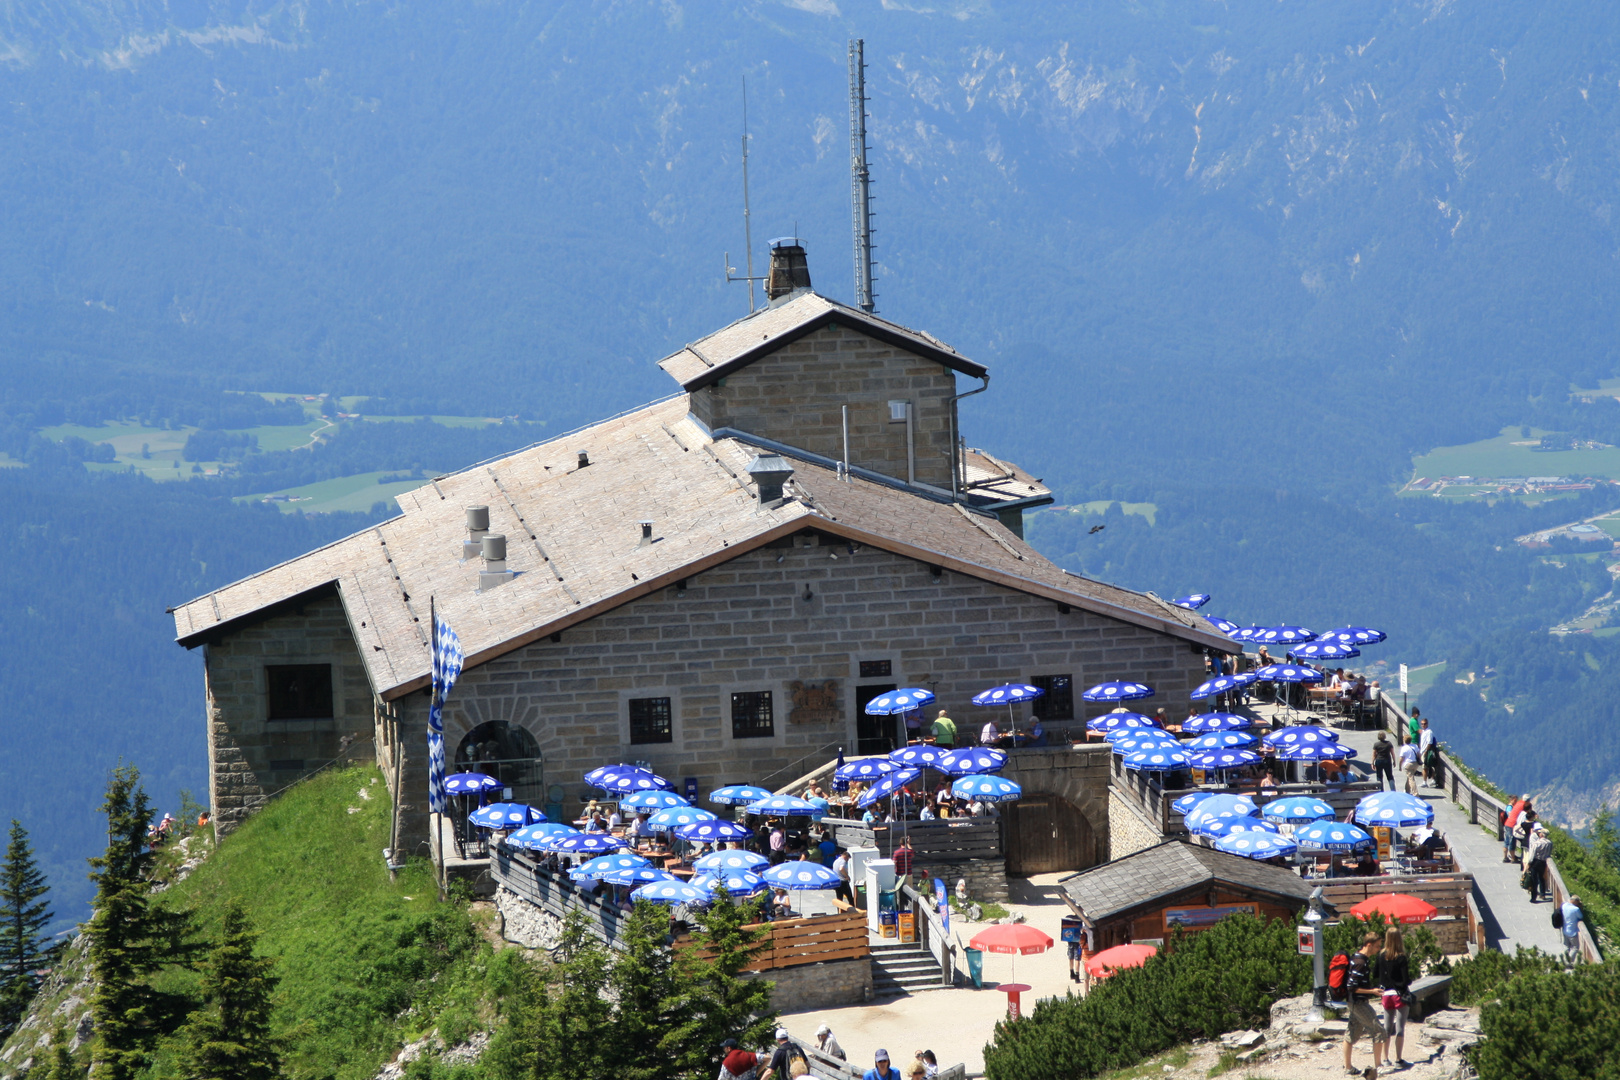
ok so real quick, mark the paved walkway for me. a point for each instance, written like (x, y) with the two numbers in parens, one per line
(1510, 919)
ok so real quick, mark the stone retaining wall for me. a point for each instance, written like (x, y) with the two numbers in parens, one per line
(1128, 831)
(986, 878)
(818, 986)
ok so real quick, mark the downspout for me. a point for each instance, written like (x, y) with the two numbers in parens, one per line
(956, 454)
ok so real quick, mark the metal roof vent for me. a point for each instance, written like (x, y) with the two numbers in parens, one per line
(646, 533)
(494, 574)
(477, 526)
(790, 270)
(770, 472)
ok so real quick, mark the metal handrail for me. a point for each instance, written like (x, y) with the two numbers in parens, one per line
(797, 762)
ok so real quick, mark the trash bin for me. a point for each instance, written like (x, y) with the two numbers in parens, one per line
(975, 962)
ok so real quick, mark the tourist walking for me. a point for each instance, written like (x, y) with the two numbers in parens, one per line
(1395, 980)
(1510, 825)
(1428, 752)
(1409, 766)
(1360, 992)
(1570, 917)
(880, 1068)
(1540, 852)
(1384, 761)
(783, 1060)
(929, 1063)
(827, 1043)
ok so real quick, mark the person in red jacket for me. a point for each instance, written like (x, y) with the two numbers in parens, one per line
(738, 1063)
(1510, 829)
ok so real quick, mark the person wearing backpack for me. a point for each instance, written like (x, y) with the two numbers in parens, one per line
(1359, 992)
(787, 1061)
(1394, 971)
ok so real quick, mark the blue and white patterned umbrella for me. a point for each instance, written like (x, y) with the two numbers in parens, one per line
(593, 843)
(1204, 723)
(801, 875)
(1297, 810)
(1325, 650)
(969, 760)
(1394, 808)
(713, 831)
(470, 783)
(1354, 635)
(1246, 633)
(602, 865)
(920, 754)
(530, 836)
(1220, 684)
(1185, 804)
(1287, 673)
(1222, 759)
(1302, 733)
(652, 800)
(1256, 845)
(1223, 806)
(1332, 836)
(1312, 751)
(1225, 826)
(731, 860)
(1113, 721)
(675, 816)
(734, 882)
(786, 806)
(1193, 601)
(505, 815)
(1225, 626)
(1118, 691)
(672, 892)
(898, 701)
(1284, 635)
(987, 789)
(1156, 760)
(1136, 741)
(1247, 678)
(887, 786)
(625, 779)
(865, 769)
(1008, 694)
(640, 875)
(1223, 740)
(738, 794)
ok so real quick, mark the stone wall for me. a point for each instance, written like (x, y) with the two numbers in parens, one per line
(250, 757)
(818, 986)
(796, 394)
(986, 878)
(1079, 774)
(1128, 831)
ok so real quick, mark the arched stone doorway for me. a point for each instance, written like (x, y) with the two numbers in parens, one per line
(510, 754)
(1043, 833)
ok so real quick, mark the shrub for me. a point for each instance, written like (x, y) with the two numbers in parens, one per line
(1481, 978)
(1553, 1026)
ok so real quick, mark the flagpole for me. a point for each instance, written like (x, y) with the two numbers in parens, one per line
(434, 815)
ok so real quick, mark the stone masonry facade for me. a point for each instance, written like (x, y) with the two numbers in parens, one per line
(747, 626)
(250, 756)
(796, 394)
(1128, 830)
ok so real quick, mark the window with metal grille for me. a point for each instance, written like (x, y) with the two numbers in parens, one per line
(751, 716)
(650, 720)
(876, 669)
(300, 691)
(1058, 701)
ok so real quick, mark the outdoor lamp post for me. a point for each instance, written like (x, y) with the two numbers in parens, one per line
(1313, 922)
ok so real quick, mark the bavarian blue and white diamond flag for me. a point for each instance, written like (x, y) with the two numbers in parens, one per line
(446, 669)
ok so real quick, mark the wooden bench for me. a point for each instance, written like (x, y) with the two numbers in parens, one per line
(1431, 993)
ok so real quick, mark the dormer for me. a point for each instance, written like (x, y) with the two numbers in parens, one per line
(790, 371)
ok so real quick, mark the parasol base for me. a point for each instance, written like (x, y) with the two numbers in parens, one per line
(1013, 990)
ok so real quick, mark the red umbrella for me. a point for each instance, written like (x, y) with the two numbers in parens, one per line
(1396, 907)
(1014, 938)
(1108, 961)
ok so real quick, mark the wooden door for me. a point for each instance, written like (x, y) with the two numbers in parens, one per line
(873, 734)
(1046, 833)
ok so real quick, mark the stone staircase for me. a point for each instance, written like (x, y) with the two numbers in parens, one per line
(902, 969)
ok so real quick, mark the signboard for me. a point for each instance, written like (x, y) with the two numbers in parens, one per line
(690, 783)
(1070, 928)
(1307, 941)
(1200, 917)
(1403, 678)
(944, 903)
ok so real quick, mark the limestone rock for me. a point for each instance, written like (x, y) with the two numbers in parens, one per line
(1243, 1040)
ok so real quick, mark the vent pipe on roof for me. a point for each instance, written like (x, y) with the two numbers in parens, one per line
(646, 533)
(770, 472)
(493, 547)
(790, 270)
(477, 526)
(584, 459)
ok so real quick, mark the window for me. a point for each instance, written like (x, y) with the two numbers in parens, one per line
(876, 669)
(650, 720)
(898, 411)
(300, 691)
(1058, 701)
(751, 716)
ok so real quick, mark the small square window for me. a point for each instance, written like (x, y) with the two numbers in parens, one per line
(877, 669)
(898, 410)
(651, 721)
(1058, 701)
(751, 715)
(300, 691)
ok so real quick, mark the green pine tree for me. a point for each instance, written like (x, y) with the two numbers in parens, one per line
(717, 1002)
(130, 938)
(24, 915)
(229, 1037)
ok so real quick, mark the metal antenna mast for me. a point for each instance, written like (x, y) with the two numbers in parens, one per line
(860, 180)
(748, 225)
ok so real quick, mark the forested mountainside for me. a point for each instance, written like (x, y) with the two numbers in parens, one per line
(1237, 262)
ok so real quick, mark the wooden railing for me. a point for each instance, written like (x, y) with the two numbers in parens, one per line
(1483, 809)
(952, 840)
(552, 892)
(931, 934)
(1456, 922)
(795, 942)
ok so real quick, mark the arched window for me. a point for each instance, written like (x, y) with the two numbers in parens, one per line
(510, 754)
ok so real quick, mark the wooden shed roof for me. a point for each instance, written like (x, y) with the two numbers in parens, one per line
(1142, 878)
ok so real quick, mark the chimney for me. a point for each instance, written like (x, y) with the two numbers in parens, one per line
(477, 526)
(646, 533)
(790, 271)
(493, 547)
(584, 458)
(770, 472)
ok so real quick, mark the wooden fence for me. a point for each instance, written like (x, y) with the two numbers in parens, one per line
(1456, 922)
(931, 841)
(795, 942)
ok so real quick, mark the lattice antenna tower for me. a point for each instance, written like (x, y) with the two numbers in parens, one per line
(860, 177)
(748, 225)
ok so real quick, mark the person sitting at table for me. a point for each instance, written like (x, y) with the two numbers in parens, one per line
(814, 791)
(642, 826)
(870, 816)
(1267, 781)
(1037, 734)
(927, 813)
(780, 906)
(1367, 865)
(989, 735)
(614, 820)
(597, 823)
(1264, 658)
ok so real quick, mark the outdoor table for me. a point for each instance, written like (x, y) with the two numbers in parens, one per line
(1013, 990)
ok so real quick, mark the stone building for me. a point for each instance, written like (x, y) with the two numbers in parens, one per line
(713, 585)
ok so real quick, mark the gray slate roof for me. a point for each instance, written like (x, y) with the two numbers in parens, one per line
(1174, 866)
